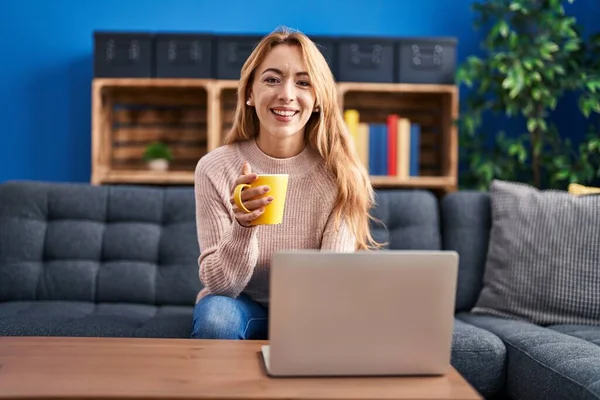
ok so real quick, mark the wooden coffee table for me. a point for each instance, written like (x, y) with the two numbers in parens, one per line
(98, 368)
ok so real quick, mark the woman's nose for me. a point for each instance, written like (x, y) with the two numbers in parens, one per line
(287, 91)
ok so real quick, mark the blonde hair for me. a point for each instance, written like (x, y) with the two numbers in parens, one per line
(325, 131)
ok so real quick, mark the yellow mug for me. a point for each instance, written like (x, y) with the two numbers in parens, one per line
(273, 213)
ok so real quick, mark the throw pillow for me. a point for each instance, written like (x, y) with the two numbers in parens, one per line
(581, 190)
(543, 261)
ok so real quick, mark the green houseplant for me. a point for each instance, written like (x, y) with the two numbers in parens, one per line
(533, 56)
(158, 156)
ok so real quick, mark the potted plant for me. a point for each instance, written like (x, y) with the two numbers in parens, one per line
(533, 55)
(158, 156)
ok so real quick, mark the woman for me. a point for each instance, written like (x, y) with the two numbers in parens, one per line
(287, 120)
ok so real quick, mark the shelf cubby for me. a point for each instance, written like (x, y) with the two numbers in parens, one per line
(130, 114)
(433, 107)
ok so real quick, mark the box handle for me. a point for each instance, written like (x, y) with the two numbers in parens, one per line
(237, 53)
(367, 59)
(427, 57)
(115, 48)
(193, 49)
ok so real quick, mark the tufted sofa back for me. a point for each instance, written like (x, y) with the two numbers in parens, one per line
(410, 218)
(137, 244)
(98, 243)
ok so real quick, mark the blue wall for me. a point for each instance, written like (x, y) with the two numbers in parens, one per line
(46, 67)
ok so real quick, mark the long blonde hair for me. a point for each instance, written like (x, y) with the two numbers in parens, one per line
(325, 131)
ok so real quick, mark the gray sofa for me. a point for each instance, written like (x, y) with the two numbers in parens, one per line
(81, 260)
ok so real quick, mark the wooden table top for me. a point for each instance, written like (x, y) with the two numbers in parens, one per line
(128, 368)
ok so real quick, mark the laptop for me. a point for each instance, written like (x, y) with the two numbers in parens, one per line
(379, 313)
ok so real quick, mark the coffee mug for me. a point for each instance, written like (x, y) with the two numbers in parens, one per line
(273, 213)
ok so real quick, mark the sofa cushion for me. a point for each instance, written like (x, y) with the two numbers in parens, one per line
(409, 219)
(77, 318)
(585, 332)
(465, 229)
(544, 363)
(65, 241)
(479, 356)
(542, 263)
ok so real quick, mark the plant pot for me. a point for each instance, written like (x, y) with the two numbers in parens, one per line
(158, 165)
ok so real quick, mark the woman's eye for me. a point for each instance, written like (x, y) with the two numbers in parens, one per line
(271, 80)
(304, 83)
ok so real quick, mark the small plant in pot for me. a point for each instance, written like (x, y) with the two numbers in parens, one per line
(158, 155)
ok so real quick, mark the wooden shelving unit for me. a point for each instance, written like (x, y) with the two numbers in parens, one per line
(193, 115)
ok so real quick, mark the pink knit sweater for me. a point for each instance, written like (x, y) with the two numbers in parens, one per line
(235, 259)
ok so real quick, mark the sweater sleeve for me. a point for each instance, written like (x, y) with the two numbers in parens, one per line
(339, 240)
(228, 250)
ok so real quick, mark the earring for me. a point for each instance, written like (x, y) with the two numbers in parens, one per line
(248, 102)
(316, 109)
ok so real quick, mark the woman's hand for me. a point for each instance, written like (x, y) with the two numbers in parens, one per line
(255, 206)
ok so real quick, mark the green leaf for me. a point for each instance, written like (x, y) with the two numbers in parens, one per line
(469, 125)
(574, 178)
(503, 28)
(551, 47)
(593, 85)
(542, 124)
(522, 156)
(513, 40)
(514, 92)
(486, 171)
(514, 149)
(562, 175)
(515, 6)
(560, 162)
(571, 45)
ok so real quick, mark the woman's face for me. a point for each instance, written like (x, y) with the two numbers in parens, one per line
(282, 93)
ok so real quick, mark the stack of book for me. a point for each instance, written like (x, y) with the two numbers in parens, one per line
(386, 149)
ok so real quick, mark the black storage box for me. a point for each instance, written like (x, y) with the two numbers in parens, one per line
(183, 55)
(327, 46)
(426, 60)
(366, 59)
(232, 51)
(123, 55)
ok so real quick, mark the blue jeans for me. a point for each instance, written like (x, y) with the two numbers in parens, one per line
(222, 317)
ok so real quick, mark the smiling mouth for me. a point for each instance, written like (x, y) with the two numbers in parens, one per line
(282, 113)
